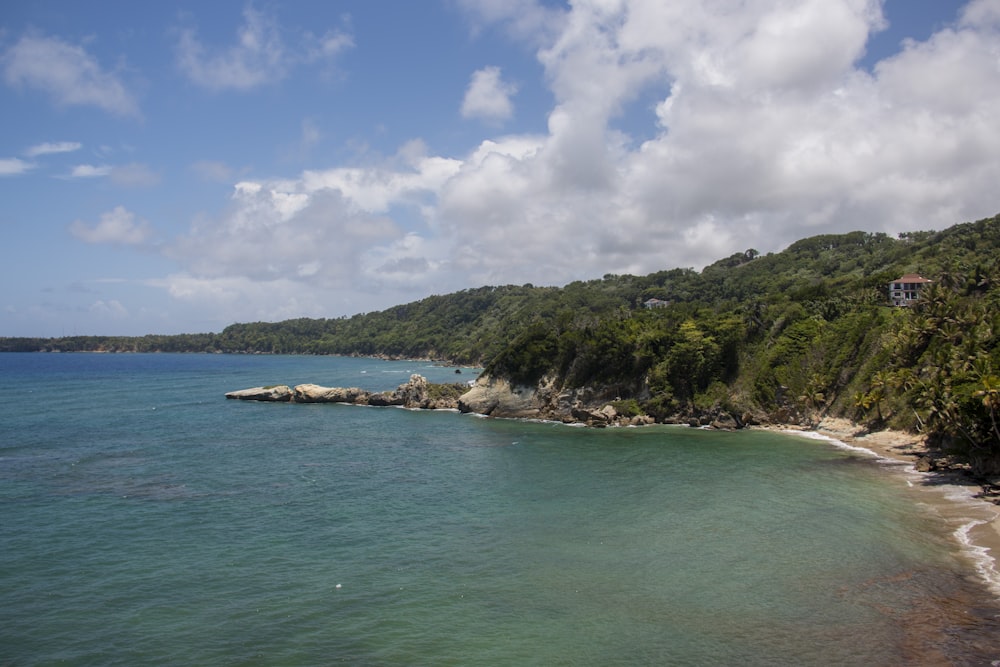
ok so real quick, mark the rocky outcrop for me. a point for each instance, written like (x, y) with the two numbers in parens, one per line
(415, 393)
(314, 393)
(592, 405)
(496, 397)
(491, 396)
(277, 394)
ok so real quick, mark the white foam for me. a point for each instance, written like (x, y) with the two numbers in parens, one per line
(984, 562)
(840, 444)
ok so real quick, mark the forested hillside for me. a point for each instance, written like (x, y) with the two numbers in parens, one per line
(789, 335)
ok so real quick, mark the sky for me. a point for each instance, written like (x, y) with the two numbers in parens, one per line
(175, 167)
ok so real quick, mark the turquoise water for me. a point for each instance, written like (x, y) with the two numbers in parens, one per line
(147, 520)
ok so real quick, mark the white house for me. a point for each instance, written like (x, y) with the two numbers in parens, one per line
(904, 290)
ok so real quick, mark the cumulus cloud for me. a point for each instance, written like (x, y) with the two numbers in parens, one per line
(767, 130)
(259, 57)
(488, 96)
(67, 73)
(49, 148)
(118, 226)
(982, 12)
(13, 166)
(90, 171)
(770, 132)
(315, 228)
(526, 20)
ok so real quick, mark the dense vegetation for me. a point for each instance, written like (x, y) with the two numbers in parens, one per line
(791, 335)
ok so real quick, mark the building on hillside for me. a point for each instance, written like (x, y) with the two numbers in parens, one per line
(655, 303)
(903, 291)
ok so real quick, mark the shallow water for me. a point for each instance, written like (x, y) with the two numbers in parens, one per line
(147, 520)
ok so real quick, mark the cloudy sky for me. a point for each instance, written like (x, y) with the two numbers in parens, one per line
(178, 166)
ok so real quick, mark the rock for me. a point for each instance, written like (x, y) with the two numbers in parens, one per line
(281, 393)
(925, 464)
(600, 417)
(412, 394)
(314, 393)
(497, 398)
(486, 395)
(725, 422)
(384, 399)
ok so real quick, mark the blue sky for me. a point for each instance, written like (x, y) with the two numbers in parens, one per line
(179, 166)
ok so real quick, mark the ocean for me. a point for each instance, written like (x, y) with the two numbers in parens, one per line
(147, 520)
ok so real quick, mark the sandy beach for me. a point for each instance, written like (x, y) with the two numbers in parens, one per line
(953, 496)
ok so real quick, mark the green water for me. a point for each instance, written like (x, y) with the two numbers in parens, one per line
(147, 520)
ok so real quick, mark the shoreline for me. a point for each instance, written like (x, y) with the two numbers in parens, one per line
(953, 497)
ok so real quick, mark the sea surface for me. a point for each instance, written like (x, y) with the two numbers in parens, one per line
(147, 520)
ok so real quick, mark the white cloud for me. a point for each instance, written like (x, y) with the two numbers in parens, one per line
(222, 300)
(526, 20)
(767, 131)
(259, 57)
(982, 13)
(49, 148)
(770, 133)
(13, 166)
(70, 75)
(325, 238)
(376, 190)
(488, 96)
(90, 171)
(119, 226)
(270, 232)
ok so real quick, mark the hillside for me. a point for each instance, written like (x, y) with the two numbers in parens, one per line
(784, 336)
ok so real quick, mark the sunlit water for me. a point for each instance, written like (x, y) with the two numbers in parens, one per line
(147, 520)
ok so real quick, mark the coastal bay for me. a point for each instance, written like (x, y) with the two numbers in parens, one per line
(149, 520)
(957, 499)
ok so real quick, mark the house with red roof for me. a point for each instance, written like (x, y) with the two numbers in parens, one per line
(903, 291)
